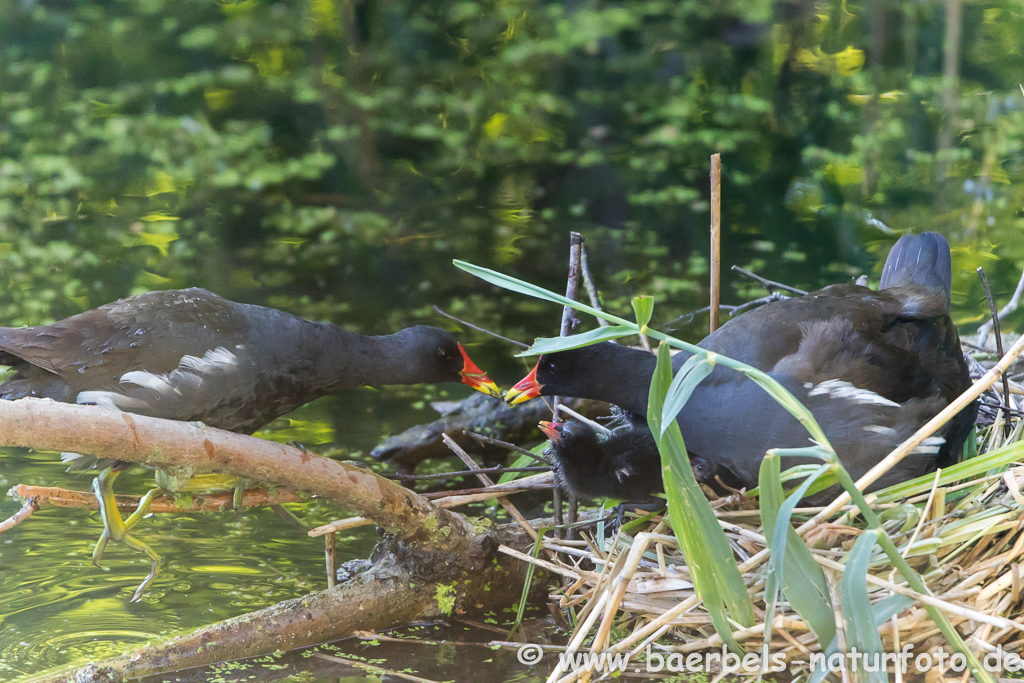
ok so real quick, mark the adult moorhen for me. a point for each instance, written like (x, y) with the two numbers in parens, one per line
(624, 464)
(871, 366)
(192, 355)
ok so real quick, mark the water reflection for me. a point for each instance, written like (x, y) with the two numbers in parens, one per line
(57, 609)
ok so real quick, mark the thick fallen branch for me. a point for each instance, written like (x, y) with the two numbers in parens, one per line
(193, 448)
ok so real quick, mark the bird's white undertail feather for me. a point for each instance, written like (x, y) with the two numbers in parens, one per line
(185, 379)
(838, 389)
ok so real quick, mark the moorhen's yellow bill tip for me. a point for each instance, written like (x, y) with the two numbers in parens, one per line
(475, 377)
(550, 430)
(527, 388)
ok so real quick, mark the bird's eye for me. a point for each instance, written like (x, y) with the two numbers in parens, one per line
(444, 354)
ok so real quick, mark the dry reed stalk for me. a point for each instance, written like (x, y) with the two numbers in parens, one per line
(948, 607)
(543, 564)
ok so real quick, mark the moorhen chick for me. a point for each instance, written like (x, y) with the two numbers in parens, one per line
(192, 355)
(871, 366)
(624, 464)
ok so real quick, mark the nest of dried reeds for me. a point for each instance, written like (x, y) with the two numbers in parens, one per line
(961, 530)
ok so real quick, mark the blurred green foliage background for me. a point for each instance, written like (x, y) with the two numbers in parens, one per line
(332, 156)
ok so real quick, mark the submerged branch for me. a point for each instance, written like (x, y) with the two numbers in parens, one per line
(403, 586)
(30, 506)
(206, 502)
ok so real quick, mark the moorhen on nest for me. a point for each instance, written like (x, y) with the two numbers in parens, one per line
(871, 366)
(623, 464)
(192, 355)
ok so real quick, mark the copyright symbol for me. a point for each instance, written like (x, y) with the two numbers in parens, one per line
(529, 654)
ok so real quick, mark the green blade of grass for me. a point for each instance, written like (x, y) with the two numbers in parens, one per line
(693, 372)
(883, 611)
(912, 577)
(575, 341)
(800, 578)
(858, 619)
(788, 401)
(975, 467)
(522, 287)
(716, 577)
(643, 307)
(523, 461)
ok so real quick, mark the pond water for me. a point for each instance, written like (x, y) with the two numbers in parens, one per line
(57, 609)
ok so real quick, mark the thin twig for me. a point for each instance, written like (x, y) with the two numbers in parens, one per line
(463, 473)
(732, 310)
(716, 237)
(770, 285)
(1010, 307)
(999, 343)
(479, 329)
(572, 282)
(924, 512)
(585, 420)
(488, 441)
(373, 635)
(588, 284)
(513, 512)
(490, 491)
(30, 506)
(372, 668)
(568, 322)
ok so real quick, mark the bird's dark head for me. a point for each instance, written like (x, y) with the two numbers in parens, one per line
(576, 372)
(434, 355)
(572, 439)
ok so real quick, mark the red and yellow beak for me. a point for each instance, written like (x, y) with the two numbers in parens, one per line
(477, 378)
(527, 388)
(550, 430)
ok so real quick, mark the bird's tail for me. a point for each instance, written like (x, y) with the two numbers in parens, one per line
(921, 260)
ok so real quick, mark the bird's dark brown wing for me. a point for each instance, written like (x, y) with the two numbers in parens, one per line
(94, 349)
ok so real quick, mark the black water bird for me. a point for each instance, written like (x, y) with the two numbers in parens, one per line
(623, 464)
(192, 355)
(872, 366)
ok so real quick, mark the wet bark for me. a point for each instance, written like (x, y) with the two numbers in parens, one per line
(193, 448)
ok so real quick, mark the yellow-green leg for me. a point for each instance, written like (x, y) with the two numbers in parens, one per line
(239, 495)
(116, 529)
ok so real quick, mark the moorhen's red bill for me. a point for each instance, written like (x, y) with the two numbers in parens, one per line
(872, 366)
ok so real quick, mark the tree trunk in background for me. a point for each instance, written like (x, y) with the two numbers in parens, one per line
(950, 75)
